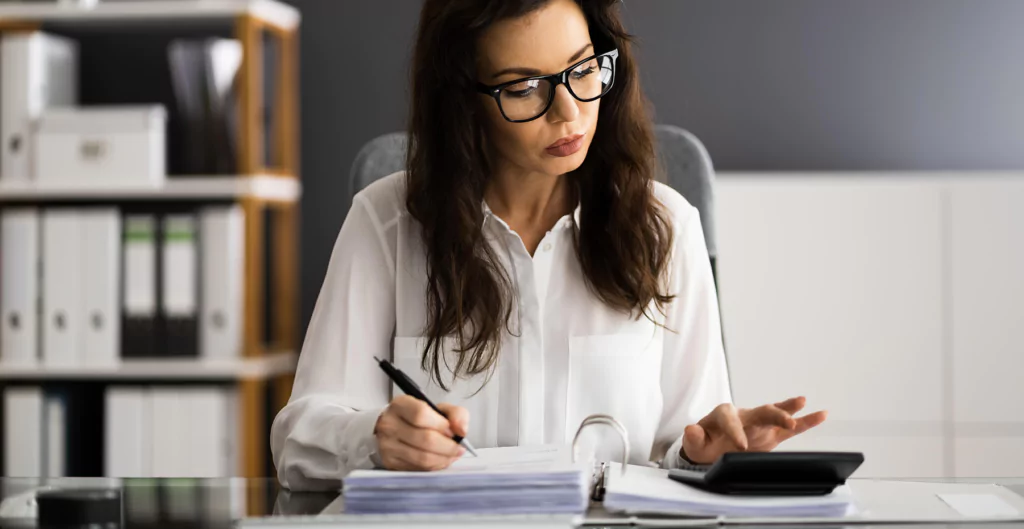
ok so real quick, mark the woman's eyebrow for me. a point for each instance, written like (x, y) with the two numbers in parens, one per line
(529, 72)
(576, 56)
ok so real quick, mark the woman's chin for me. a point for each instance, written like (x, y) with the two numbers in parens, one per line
(565, 164)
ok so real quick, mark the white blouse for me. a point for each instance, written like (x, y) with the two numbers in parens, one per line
(569, 354)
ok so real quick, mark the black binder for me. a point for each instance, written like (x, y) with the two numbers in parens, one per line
(139, 286)
(180, 272)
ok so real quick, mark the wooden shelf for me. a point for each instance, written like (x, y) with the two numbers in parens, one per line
(257, 368)
(273, 188)
(268, 161)
(269, 11)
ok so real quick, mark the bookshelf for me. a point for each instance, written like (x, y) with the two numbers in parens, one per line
(268, 12)
(267, 187)
(159, 370)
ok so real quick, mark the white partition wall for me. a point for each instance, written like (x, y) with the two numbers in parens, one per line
(987, 305)
(895, 301)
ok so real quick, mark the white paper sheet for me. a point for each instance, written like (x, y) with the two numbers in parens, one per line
(513, 480)
(979, 504)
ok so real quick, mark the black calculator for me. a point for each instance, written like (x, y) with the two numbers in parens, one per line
(772, 473)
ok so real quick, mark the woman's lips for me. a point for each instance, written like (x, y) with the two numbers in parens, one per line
(566, 146)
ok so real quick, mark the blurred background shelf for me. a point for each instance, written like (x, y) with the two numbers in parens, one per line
(270, 12)
(185, 370)
(263, 187)
(226, 72)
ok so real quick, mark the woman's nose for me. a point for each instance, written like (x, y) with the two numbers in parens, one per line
(564, 108)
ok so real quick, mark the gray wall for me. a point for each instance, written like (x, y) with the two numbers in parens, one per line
(354, 88)
(841, 84)
(767, 85)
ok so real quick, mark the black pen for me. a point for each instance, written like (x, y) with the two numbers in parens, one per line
(410, 388)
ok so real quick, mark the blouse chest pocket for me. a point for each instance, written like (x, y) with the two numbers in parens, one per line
(617, 375)
(472, 393)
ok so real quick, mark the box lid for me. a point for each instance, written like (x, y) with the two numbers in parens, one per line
(102, 119)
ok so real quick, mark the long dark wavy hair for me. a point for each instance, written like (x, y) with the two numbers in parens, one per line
(624, 236)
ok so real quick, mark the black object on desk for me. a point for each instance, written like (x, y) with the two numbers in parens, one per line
(93, 508)
(409, 387)
(772, 473)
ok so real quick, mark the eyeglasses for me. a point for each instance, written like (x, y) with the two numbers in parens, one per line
(527, 99)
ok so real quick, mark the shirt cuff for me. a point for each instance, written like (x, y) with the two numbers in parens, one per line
(359, 447)
(673, 458)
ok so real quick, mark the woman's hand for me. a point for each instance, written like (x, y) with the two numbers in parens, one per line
(412, 436)
(727, 429)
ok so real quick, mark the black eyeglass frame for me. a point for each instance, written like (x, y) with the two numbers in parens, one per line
(560, 78)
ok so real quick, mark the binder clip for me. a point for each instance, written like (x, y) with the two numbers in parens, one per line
(600, 477)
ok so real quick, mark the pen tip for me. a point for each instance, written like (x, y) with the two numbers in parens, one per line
(377, 359)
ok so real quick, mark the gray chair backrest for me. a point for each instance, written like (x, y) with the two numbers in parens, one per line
(688, 170)
(685, 160)
(380, 157)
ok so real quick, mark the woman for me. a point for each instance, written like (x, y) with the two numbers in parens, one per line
(527, 269)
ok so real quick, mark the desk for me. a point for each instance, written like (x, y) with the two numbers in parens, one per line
(218, 503)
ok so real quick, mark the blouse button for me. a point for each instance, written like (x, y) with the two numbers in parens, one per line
(547, 247)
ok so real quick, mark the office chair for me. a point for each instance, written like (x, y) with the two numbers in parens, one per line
(686, 164)
(380, 157)
(688, 169)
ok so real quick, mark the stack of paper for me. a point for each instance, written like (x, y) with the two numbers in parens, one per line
(649, 490)
(514, 480)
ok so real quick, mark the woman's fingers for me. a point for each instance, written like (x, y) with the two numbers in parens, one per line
(458, 418)
(431, 441)
(725, 429)
(793, 405)
(725, 422)
(734, 430)
(419, 414)
(396, 455)
(413, 436)
(698, 445)
(695, 439)
(810, 421)
(769, 415)
(721, 431)
(802, 425)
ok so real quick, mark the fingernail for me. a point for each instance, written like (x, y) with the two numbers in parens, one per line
(462, 451)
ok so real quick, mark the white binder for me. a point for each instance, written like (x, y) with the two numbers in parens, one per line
(23, 431)
(127, 432)
(212, 449)
(19, 286)
(62, 287)
(223, 267)
(101, 273)
(169, 451)
(37, 71)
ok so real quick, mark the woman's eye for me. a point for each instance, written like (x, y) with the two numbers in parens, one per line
(521, 90)
(580, 74)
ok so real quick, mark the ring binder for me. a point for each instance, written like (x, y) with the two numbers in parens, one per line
(601, 473)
